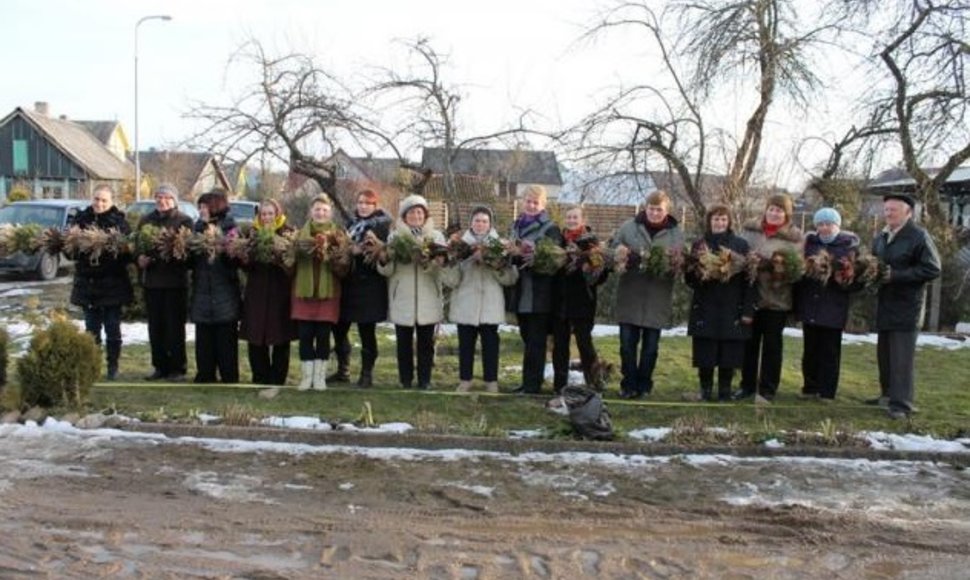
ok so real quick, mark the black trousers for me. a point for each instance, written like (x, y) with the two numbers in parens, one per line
(217, 348)
(166, 310)
(724, 377)
(533, 328)
(368, 343)
(896, 352)
(821, 361)
(763, 352)
(405, 353)
(467, 337)
(314, 339)
(270, 363)
(562, 330)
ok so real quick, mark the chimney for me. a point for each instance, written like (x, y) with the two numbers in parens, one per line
(42, 107)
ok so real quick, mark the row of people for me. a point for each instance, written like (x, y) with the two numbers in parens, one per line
(733, 323)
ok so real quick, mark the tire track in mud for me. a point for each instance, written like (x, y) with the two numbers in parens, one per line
(136, 511)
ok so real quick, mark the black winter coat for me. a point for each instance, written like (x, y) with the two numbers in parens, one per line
(575, 295)
(716, 308)
(161, 274)
(913, 261)
(826, 305)
(533, 293)
(215, 285)
(363, 297)
(103, 282)
(266, 303)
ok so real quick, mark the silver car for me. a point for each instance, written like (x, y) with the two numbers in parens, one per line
(47, 213)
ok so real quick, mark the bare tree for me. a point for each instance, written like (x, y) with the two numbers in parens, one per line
(926, 57)
(917, 102)
(702, 45)
(430, 108)
(296, 112)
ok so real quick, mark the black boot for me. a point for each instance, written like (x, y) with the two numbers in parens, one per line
(724, 379)
(705, 376)
(112, 354)
(367, 360)
(342, 374)
(706, 392)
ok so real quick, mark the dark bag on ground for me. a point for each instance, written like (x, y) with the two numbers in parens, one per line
(587, 413)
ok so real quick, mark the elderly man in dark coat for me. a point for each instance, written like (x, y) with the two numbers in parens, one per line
(101, 285)
(911, 260)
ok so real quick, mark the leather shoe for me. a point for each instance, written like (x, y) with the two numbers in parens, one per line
(155, 376)
(742, 394)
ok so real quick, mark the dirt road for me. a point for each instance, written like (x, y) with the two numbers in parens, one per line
(99, 504)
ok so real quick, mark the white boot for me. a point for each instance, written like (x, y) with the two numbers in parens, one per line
(320, 375)
(306, 375)
(491, 386)
(464, 386)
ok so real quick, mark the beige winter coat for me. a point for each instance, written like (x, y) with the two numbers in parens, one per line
(477, 296)
(772, 294)
(414, 292)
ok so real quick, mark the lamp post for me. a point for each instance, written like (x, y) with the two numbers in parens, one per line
(137, 160)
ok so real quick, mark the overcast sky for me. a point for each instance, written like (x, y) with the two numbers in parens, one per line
(78, 56)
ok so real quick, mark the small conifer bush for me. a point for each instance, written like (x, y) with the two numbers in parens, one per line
(60, 366)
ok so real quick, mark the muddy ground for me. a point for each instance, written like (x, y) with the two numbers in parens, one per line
(93, 505)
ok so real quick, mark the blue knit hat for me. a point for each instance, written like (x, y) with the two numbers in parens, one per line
(827, 215)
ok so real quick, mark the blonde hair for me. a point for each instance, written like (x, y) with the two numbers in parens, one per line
(659, 197)
(321, 198)
(538, 191)
(574, 207)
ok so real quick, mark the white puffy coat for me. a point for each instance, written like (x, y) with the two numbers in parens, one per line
(477, 296)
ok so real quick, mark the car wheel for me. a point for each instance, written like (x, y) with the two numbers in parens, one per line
(47, 269)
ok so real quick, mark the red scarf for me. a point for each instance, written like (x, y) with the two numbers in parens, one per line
(769, 229)
(573, 234)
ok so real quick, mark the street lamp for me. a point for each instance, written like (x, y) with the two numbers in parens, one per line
(137, 160)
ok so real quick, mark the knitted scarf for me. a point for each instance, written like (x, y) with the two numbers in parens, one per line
(770, 230)
(358, 228)
(313, 277)
(573, 234)
(277, 223)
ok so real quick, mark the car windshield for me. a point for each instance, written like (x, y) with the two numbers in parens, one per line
(243, 210)
(140, 207)
(32, 214)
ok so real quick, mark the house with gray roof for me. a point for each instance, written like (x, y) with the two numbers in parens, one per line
(55, 157)
(111, 134)
(511, 170)
(955, 193)
(192, 172)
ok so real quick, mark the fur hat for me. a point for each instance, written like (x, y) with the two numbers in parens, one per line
(412, 201)
(827, 215)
